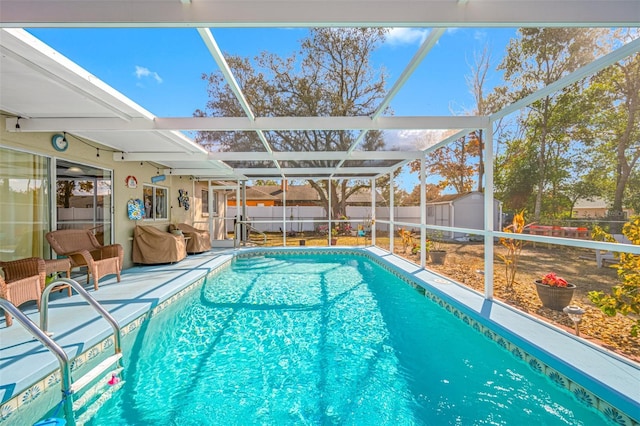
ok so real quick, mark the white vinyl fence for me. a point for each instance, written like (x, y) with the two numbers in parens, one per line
(309, 218)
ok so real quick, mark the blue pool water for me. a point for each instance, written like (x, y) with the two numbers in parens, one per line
(324, 340)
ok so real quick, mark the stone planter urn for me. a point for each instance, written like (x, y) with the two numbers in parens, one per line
(553, 297)
(437, 256)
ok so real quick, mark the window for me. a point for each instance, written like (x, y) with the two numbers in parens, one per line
(155, 202)
(205, 203)
(84, 198)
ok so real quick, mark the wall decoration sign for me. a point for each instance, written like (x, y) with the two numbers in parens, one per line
(135, 209)
(131, 182)
(183, 199)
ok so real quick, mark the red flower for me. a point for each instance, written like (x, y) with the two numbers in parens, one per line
(553, 280)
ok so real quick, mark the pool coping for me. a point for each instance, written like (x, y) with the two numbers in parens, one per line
(536, 342)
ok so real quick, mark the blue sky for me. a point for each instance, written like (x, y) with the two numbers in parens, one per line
(160, 69)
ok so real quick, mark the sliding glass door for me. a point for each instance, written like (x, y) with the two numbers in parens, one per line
(25, 207)
(84, 199)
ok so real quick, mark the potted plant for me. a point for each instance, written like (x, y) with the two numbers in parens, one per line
(334, 236)
(436, 253)
(554, 291)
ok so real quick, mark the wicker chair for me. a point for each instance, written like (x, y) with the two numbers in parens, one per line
(83, 249)
(23, 281)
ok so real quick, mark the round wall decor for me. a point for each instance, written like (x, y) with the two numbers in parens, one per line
(59, 142)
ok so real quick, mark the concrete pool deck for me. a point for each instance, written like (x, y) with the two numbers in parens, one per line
(24, 361)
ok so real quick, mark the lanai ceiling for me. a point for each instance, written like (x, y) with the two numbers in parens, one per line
(34, 78)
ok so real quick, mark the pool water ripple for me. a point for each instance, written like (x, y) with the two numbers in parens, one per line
(328, 340)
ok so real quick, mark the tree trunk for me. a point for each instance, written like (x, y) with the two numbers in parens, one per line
(623, 169)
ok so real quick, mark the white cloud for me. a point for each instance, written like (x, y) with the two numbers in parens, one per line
(413, 140)
(143, 72)
(400, 36)
(480, 35)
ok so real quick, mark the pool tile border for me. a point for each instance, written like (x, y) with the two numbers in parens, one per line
(579, 392)
(583, 395)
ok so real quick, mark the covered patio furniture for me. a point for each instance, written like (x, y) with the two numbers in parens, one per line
(198, 241)
(23, 281)
(153, 246)
(83, 250)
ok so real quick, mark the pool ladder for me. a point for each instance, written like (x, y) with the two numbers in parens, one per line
(242, 234)
(69, 387)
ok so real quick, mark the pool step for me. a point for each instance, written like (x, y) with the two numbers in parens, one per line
(95, 372)
(92, 409)
(98, 388)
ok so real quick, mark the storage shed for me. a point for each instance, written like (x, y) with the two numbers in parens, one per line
(463, 211)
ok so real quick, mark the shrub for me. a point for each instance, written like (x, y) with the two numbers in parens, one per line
(514, 248)
(624, 298)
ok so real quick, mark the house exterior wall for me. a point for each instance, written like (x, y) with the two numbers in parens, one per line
(464, 212)
(79, 152)
(469, 213)
(438, 214)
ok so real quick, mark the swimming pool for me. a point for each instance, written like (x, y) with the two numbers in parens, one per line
(325, 339)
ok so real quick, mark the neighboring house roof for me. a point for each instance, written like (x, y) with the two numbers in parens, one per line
(254, 194)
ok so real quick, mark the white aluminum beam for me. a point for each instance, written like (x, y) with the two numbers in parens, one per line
(215, 52)
(209, 173)
(313, 156)
(585, 71)
(310, 170)
(425, 48)
(217, 158)
(239, 173)
(211, 44)
(245, 124)
(297, 13)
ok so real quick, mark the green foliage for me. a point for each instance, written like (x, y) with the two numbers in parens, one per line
(613, 133)
(539, 57)
(625, 297)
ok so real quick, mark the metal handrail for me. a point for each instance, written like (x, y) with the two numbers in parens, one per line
(53, 347)
(44, 308)
(236, 240)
